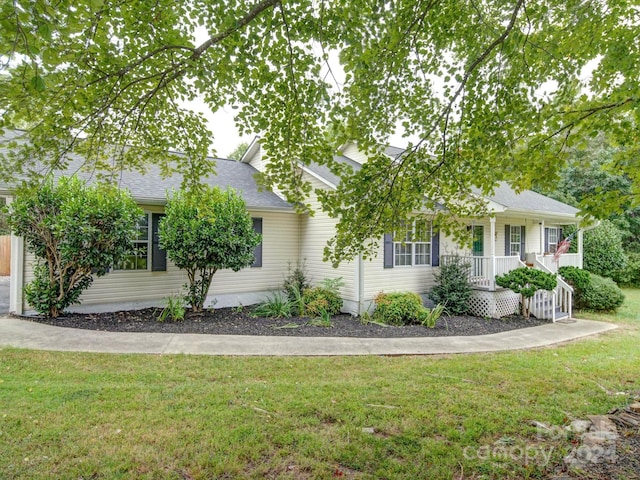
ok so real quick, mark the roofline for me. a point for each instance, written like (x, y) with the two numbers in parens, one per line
(317, 176)
(251, 149)
(541, 213)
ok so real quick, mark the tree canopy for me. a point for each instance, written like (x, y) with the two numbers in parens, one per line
(494, 90)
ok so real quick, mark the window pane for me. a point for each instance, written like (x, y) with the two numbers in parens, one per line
(423, 254)
(143, 228)
(138, 257)
(422, 231)
(402, 255)
(403, 234)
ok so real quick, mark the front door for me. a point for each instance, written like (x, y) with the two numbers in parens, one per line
(478, 250)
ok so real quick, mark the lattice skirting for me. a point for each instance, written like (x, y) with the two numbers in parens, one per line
(494, 304)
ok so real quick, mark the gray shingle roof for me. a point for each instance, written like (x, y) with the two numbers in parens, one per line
(151, 187)
(529, 200)
(324, 172)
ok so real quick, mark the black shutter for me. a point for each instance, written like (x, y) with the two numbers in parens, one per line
(257, 227)
(388, 250)
(435, 250)
(522, 242)
(158, 255)
(507, 240)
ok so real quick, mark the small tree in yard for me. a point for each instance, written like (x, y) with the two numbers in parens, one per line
(526, 281)
(452, 287)
(204, 231)
(75, 231)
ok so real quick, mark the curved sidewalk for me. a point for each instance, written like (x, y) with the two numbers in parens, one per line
(19, 333)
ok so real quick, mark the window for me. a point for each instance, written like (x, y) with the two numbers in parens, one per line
(412, 245)
(552, 239)
(138, 257)
(515, 239)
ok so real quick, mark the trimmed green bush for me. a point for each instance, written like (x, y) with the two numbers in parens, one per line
(76, 232)
(398, 308)
(602, 294)
(320, 301)
(452, 287)
(205, 231)
(579, 279)
(526, 281)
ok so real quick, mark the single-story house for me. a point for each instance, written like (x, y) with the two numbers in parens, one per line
(524, 227)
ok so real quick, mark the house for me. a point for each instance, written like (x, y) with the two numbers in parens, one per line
(524, 227)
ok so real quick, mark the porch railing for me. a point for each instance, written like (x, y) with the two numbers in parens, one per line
(483, 270)
(565, 260)
(562, 294)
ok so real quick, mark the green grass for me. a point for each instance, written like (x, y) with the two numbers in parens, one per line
(81, 416)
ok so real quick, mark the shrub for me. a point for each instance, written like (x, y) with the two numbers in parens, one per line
(319, 301)
(399, 308)
(75, 231)
(602, 294)
(579, 279)
(296, 282)
(452, 287)
(629, 276)
(204, 231)
(527, 281)
(603, 253)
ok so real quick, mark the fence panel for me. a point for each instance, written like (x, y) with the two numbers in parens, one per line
(5, 255)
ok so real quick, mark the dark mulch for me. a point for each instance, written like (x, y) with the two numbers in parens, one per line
(239, 321)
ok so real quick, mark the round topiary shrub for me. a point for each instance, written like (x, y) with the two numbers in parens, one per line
(398, 308)
(602, 294)
(320, 300)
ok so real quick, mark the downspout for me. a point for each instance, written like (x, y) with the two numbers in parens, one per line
(360, 284)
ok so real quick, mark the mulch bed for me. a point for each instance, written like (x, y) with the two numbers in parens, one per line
(240, 321)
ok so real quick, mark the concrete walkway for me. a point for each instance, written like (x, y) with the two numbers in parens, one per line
(26, 334)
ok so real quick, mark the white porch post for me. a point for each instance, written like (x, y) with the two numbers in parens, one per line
(492, 263)
(541, 237)
(580, 254)
(17, 272)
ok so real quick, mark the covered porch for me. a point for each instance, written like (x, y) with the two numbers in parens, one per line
(504, 244)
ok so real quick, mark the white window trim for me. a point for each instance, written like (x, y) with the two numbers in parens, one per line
(413, 249)
(512, 252)
(149, 247)
(553, 245)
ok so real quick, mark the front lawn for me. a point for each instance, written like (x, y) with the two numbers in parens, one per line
(81, 416)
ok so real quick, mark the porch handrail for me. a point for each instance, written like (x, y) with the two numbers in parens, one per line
(563, 293)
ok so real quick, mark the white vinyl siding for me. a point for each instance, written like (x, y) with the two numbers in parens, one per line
(314, 233)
